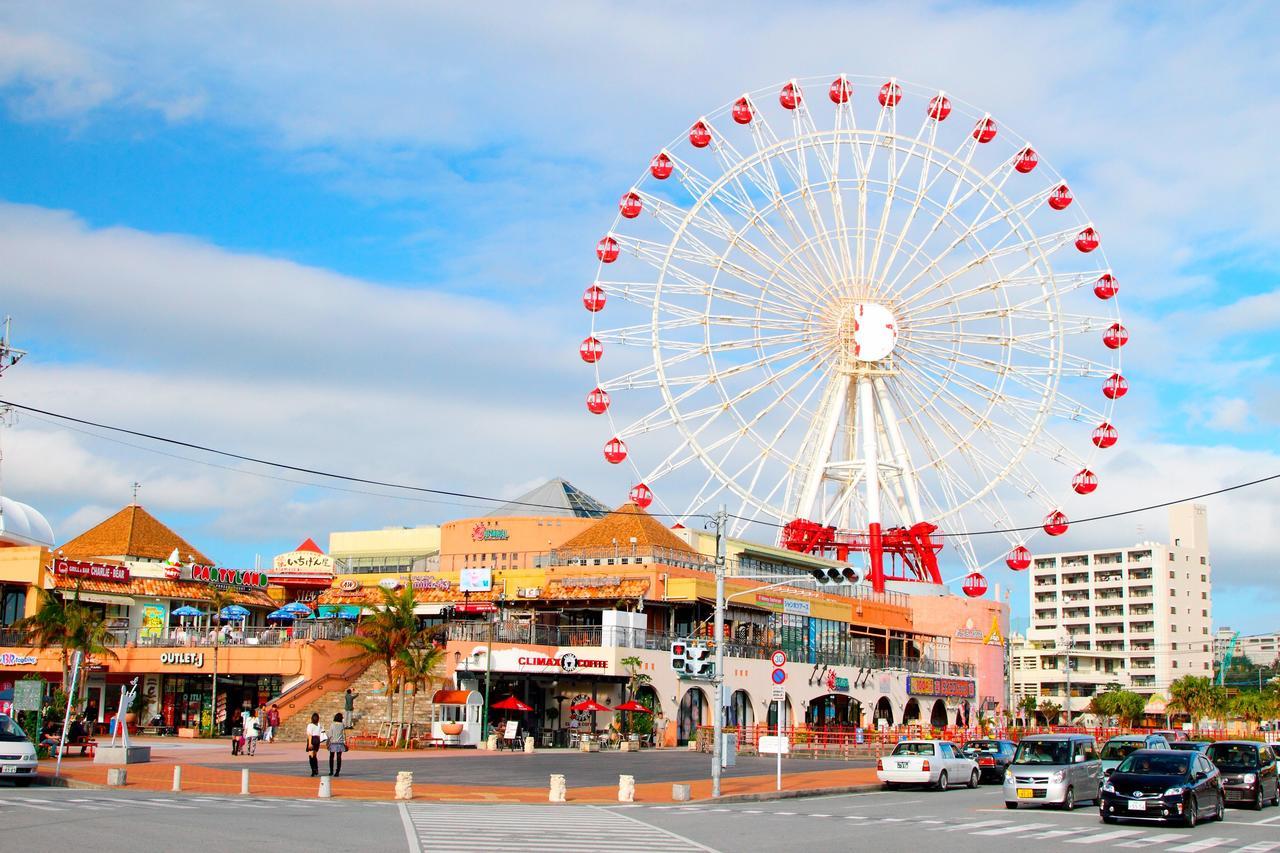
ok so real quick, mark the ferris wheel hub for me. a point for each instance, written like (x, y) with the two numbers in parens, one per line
(865, 332)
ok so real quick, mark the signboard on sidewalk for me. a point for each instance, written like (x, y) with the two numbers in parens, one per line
(779, 694)
(774, 745)
(27, 694)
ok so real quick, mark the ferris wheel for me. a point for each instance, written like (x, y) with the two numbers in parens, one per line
(863, 312)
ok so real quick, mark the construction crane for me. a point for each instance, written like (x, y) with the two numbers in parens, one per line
(1227, 657)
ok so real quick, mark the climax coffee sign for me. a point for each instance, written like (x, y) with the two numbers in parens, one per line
(244, 578)
(566, 662)
(927, 685)
(91, 571)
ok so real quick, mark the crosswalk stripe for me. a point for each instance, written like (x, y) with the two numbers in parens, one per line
(1202, 844)
(1055, 833)
(1009, 830)
(37, 804)
(1258, 847)
(967, 826)
(1152, 840)
(1106, 836)
(537, 829)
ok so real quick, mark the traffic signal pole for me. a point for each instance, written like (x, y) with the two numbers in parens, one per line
(717, 726)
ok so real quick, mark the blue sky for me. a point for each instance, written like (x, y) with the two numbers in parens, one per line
(354, 235)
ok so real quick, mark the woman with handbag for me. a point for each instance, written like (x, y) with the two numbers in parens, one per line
(315, 733)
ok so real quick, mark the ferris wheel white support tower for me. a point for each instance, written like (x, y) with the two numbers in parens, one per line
(870, 442)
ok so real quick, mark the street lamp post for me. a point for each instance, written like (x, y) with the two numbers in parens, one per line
(717, 725)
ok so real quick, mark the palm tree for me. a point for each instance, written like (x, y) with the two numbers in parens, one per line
(383, 636)
(419, 667)
(218, 599)
(1251, 707)
(47, 628)
(1196, 696)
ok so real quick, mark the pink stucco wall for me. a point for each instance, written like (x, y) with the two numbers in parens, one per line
(966, 621)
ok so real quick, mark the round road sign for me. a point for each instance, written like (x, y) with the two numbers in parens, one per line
(779, 657)
(779, 676)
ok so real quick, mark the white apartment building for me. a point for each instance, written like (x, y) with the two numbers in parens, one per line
(1138, 616)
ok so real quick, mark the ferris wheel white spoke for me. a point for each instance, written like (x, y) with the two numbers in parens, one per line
(895, 178)
(1066, 282)
(917, 203)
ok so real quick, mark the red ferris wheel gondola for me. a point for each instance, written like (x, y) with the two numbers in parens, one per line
(629, 205)
(641, 495)
(1106, 286)
(975, 585)
(593, 298)
(661, 166)
(841, 90)
(1087, 240)
(700, 134)
(985, 130)
(1061, 198)
(1085, 482)
(1115, 387)
(615, 451)
(890, 94)
(790, 96)
(1105, 435)
(598, 401)
(591, 350)
(1055, 523)
(939, 107)
(1115, 336)
(1027, 160)
(1019, 559)
(742, 112)
(607, 250)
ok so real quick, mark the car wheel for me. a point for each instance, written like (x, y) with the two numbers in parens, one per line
(942, 781)
(1191, 813)
(1221, 812)
(1275, 801)
(1106, 818)
(1069, 800)
(1257, 801)
(1010, 805)
(973, 779)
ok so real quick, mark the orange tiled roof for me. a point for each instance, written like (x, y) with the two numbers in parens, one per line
(621, 525)
(161, 588)
(131, 532)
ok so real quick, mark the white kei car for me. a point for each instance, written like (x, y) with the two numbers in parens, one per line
(17, 753)
(935, 763)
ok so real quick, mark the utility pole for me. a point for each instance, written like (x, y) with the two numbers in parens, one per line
(1067, 648)
(717, 726)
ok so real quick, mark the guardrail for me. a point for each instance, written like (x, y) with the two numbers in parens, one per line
(319, 629)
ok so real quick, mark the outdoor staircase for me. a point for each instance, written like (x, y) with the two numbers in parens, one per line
(371, 706)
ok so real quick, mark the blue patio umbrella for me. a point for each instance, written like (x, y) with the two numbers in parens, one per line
(297, 608)
(281, 614)
(188, 610)
(233, 613)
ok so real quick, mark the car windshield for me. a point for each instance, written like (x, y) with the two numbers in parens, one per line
(1165, 764)
(1114, 750)
(983, 746)
(1043, 752)
(913, 749)
(1233, 756)
(9, 730)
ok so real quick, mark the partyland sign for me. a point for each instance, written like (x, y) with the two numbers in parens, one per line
(240, 578)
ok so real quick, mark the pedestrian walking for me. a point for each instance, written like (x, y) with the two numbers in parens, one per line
(314, 733)
(273, 723)
(337, 744)
(349, 706)
(251, 723)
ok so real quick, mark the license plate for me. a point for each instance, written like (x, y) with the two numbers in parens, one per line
(8, 768)
(903, 765)
(1025, 793)
(1137, 806)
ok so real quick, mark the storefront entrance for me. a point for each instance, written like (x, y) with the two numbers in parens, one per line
(834, 709)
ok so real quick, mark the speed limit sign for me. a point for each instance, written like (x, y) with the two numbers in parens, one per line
(778, 658)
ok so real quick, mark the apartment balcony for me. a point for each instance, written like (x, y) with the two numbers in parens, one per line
(1141, 610)
(1075, 580)
(1049, 581)
(1108, 577)
(1140, 592)
(1140, 574)
(1043, 597)
(1142, 628)
(1103, 612)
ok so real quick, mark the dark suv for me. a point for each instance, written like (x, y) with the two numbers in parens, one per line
(993, 757)
(1248, 771)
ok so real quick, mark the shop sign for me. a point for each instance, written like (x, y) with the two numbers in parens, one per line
(91, 571)
(928, 685)
(195, 659)
(390, 583)
(432, 582)
(242, 578)
(303, 561)
(10, 659)
(797, 608)
(772, 600)
(567, 662)
(349, 585)
(154, 619)
(475, 580)
(478, 607)
(27, 694)
(968, 634)
(593, 580)
(528, 591)
(834, 682)
(481, 533)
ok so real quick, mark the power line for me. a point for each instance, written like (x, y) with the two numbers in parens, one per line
(288, 467)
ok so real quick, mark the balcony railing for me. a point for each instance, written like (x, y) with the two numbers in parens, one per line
(319, 629)
(851, 651)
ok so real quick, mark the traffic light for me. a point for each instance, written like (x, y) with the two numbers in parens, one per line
(833, 575)
(692, 660)
(678, 650)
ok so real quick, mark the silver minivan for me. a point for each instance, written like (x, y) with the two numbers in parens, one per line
(1054, 769)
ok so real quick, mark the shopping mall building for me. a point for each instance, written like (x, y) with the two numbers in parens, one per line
(552, 598)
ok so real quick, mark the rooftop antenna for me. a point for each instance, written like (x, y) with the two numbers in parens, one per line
(136, 486)
(9, 355)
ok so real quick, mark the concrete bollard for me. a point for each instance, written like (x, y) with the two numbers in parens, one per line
(177, 779)
(326, 788)
(680, 793)
(557, 793)
(492, 743)
(244, 781)
(626, 789)
(528, 745)
(116, 777)
(404, 785)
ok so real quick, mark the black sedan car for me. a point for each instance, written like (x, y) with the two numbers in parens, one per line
(1164, 785)
(993, 757)
(1190, 745)
(1248, 772)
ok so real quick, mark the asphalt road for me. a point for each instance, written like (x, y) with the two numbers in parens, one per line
(582, 770)
(43, 819)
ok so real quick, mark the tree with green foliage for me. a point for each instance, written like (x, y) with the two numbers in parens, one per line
(636, 679)
(419, 667)
(384, 636)
(1125, 706)
(1197, 697)
(1050, 710)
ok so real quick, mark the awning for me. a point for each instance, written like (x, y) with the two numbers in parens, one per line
(103, 598)
(429, 609)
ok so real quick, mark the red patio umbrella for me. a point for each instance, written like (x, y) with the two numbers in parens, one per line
(511, 703)
(589, 705)
(633, 705)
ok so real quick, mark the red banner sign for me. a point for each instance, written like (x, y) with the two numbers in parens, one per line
(243, 578)
(91, 571)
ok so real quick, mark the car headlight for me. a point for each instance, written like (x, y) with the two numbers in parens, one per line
(1174, 792)
(1250, 779)
(1058, 777)
(1108, 788)
(1008, 776)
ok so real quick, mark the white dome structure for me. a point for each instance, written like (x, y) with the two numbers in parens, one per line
(21, 524)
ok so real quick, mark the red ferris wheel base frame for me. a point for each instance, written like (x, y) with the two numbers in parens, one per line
(912, 552)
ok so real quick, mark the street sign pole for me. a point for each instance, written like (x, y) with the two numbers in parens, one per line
(779, 659)
(779, 785)
(717, 724)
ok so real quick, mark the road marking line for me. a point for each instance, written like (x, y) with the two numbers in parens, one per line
(815, 814)
(1202, 844)
(894, 819)
(1057, 833)
(1152, 840)
(788, 814)
(649, 828)
(1106, 836)
(976, 825)
(410, 832)
(1258, 847)
(1009, 830)
(1267, 820)
(35, 804)
(924, 821)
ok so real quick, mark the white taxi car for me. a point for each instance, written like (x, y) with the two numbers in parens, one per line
(936, 763)
(17, 753)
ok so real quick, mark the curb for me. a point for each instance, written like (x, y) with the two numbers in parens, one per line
(765, 796)
(66, 782)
